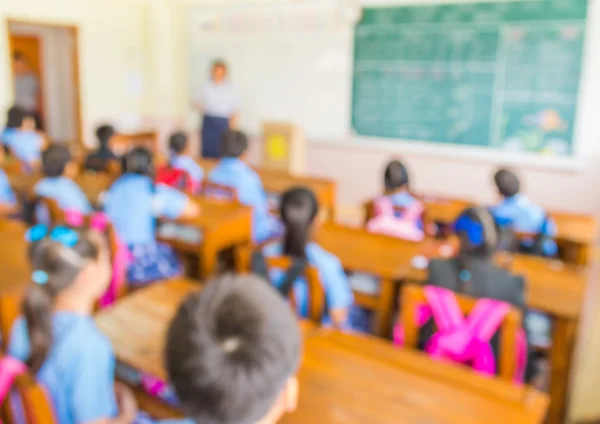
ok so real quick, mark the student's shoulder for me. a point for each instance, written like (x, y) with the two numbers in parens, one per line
(319, 256)
(88, 339)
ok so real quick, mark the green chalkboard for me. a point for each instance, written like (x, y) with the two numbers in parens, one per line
(503, 75)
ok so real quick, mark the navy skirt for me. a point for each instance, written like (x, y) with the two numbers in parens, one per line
(213, 129)
(152, 262)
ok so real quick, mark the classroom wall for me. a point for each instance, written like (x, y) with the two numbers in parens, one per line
(111, 47)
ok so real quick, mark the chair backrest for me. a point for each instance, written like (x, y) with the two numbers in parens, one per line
(413, 297)
(10, 309)
(220, 191)
(29, 401)
(316, 293)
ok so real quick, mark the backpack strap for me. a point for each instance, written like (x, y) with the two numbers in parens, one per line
(444, 307)
(486, 318)
(10, 368)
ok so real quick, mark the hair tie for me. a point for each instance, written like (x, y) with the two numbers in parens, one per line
(36, 233)
(39, 277)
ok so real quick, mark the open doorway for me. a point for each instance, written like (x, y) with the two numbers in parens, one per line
(45, 76)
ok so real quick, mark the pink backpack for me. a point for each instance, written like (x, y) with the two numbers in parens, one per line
(386, 222)
(120, 261)
(466, 341)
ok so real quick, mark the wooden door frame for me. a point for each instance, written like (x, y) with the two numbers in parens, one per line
(74, 32)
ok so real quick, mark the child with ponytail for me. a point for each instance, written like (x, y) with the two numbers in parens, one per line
(298, 211)
(57, 337)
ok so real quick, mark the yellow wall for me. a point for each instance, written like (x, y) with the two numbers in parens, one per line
(111, 47)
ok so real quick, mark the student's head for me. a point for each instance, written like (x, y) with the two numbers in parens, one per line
(298, 210)
(219, 71)
(139, 161)
(395, 177)
(233, 144)
(15, 117)
(507, 182)
(232, 353)
(178, 143)
(58, 161)
(20, 64)
(104, 134)
(28, 123)
(477, 232)
(69, 267)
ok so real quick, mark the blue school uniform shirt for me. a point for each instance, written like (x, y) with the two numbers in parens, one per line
(79, 371)
(189, 165)
(526, 217)
(134, 202)
(65, 192)
(337, 287)
(7, 196)
(235, 173)
(25, 145)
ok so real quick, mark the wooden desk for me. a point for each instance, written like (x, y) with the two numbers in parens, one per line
(576, 235)
(222, 225)
(385, 257)
(558, 291)
(343, 378)
(355, 379)
(279, 182)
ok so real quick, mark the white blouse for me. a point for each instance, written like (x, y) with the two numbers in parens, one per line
(219, 100)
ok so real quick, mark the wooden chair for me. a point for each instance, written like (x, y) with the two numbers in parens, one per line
(220, 192)
(316, 292)
(412, 296)
(36, 404)
(10, 309)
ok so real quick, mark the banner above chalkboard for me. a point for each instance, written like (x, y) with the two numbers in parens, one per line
(502, 75)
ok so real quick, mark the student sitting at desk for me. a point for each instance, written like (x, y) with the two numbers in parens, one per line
(21, 138)
(232, 353)
(8, 200)
(519, 214)
(298, 209)
(58, 167)
(99, 160)
(58, 338)
(181, 159)
(473, 271)
(232, 171)
(133, 204)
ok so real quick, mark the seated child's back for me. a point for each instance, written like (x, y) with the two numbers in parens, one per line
(299, 209)
(232, 171)
(181, 159)
(133, 204)
(518, 212)
(21, 138)
(58, 338)
(98, 161)
(58, 166)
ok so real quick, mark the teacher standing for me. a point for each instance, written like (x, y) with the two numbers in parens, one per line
(219, 104)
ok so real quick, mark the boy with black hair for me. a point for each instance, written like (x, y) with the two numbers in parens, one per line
(59, 168)
(181, 158)
(232, 171)
(99, 160)
(232, 353)
(518, 212)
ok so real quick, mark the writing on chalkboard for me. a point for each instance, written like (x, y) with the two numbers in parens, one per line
(504, 75)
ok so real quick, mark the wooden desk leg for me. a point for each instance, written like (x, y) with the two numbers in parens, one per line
(385, 308)
(561, 357)
(208, 260)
